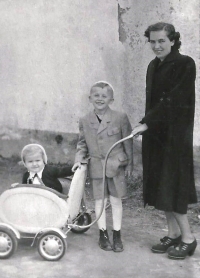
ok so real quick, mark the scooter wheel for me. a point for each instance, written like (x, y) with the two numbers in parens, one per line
(8, 243)
(51, 246)
(82, 220)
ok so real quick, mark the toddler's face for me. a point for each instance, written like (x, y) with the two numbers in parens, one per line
(100, 98)
(34, 163)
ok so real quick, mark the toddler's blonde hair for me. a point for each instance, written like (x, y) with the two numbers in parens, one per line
(32, 149)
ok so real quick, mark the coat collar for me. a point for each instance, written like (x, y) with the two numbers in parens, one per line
(173, 55)
(31, 174)
(93, 118)
(103, 125)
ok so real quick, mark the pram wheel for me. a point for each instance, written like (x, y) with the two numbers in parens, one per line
(82, 220)
(51, 246)
(8, 243)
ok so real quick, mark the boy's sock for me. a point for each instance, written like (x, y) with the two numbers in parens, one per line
(102, 220)
(116, 204)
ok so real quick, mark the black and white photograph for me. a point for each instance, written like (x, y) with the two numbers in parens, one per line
(99, 138)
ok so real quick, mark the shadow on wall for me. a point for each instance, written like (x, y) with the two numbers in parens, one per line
(61, 148)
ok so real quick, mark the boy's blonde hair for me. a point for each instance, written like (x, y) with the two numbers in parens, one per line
(103, 84)
(31, 149)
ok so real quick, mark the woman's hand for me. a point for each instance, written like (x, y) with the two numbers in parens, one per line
(76, 166)
(138, 129)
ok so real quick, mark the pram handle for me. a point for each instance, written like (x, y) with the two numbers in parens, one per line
(103, 183)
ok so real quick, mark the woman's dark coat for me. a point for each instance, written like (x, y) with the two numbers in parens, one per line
(168, 143)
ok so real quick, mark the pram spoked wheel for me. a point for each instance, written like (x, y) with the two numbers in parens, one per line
(8, 243)
(82, 219)
(51, 246)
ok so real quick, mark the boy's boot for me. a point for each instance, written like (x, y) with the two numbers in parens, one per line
(117, 243)
(104, 241)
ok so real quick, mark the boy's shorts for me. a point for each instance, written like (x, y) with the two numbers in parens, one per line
(116, 187)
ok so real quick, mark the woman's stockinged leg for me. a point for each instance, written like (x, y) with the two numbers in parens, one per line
(173, 227)
(188, 243)
(183, 223)
(172, 239)
(179, 234)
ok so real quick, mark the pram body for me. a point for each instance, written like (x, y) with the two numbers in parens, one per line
(43, 215)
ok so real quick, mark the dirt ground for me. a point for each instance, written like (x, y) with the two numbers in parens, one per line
(142, 227)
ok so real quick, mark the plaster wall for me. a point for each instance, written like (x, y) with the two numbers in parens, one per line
(51, 52)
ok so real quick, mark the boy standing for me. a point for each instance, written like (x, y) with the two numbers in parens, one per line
(99, 130)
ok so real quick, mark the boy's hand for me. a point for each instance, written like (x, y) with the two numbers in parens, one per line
(76, 166)
(14, 184)
(128, 174)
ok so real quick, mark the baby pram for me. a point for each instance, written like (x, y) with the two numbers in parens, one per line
(43, 215)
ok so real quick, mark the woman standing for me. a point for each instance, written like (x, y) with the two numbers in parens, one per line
(167, 147)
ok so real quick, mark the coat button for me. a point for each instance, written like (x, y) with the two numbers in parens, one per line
(161, 99)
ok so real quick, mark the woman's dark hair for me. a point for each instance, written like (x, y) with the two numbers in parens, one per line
(170, 30)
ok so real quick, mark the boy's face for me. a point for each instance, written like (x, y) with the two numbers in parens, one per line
(101, 99)
(34, 163)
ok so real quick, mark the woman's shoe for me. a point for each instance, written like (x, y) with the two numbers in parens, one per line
(104, 242)
(166, 242)
(182, 251)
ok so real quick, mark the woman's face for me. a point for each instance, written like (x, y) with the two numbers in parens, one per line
(160, 44)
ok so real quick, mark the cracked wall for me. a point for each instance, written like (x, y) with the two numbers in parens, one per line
(134, 17)
(52, 51)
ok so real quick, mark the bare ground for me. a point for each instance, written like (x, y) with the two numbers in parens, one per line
(142, 227)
